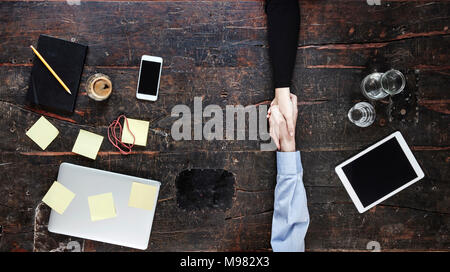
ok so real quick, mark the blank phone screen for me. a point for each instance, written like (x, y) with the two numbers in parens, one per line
(148, 81)
(379, 172)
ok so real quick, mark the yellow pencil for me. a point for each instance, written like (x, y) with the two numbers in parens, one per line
(50, 69)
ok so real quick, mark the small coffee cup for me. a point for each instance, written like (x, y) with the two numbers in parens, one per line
(99, 87)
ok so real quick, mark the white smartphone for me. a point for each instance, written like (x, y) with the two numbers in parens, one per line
(149, 77)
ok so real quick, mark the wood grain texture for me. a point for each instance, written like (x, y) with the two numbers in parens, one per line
(217, 50)
(245, 226)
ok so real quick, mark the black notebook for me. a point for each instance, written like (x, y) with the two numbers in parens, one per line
(67, 60)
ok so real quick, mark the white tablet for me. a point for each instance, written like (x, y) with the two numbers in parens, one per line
(379, 172)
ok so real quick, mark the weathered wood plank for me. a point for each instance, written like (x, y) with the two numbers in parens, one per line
(244, 226)
(329, 223)
(211, 33)
(394, 232)
(321, 126)
(356, 22)
(323, 76)
(421, 53)
(350, 64)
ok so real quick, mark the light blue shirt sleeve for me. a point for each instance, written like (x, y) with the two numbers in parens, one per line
(290, 216)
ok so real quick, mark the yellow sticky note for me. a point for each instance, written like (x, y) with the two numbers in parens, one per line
(102, 206)
(58, 197)
(140, 130)
(142, 196)
(42, 132)
(87, 144)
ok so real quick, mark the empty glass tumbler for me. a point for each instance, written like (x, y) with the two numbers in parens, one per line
(393, 82)
(371, 87)
(377, 86)
(362, 114)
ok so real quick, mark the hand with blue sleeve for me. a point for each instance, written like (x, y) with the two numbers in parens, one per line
(290, 217)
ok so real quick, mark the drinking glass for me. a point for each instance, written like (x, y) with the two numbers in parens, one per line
(393, 82)
(371, 87)
(362, 114)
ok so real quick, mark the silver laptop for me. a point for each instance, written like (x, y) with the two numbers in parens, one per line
(131, 227)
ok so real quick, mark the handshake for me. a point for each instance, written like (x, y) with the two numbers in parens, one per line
(282, 116)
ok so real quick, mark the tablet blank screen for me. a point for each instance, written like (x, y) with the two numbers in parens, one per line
(379, 172)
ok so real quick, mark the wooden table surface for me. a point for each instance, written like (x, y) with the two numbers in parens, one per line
(217, 50)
